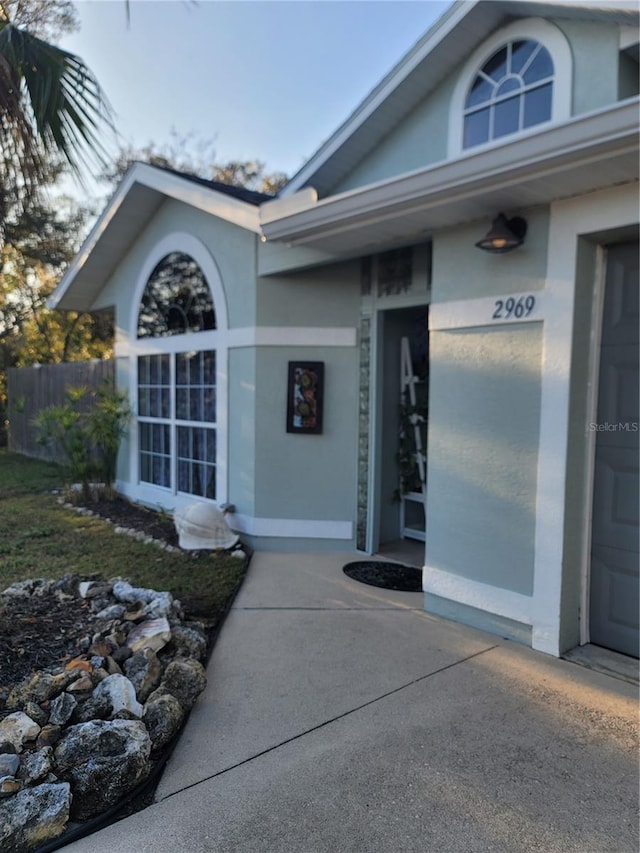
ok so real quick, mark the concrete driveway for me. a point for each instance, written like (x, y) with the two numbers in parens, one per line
(340, 717)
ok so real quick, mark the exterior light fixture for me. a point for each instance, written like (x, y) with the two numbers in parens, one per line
(504, 235)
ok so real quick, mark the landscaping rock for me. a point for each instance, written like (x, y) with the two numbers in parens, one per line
(17, 728)
(49, 736)
(35, 766)
(163, 716)
(27, 588)
(61, 709)
(188, 643)
(120, 693)
(184, 679)
(38, 688)
(103, 761)
(9, 763)
(152, 634)
(143, 670)
(33, 816)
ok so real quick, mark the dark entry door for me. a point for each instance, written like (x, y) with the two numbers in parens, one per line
(614, 546)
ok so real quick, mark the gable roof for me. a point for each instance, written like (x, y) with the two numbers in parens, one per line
(241, 193)
(440, 50)
(138, 197)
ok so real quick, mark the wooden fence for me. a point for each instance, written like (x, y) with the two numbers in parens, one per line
(31, 389)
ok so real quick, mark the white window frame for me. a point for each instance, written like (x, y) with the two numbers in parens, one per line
(216, 339)
(531, 29)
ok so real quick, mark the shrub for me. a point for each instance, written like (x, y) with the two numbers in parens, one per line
(87, 428)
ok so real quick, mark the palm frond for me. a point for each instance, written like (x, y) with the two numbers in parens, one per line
(50, 102)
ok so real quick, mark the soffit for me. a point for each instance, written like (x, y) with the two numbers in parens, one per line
(588, 154)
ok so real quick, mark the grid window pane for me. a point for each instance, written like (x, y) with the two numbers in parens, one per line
(537, 106)
(476, 128)
(190, 396)
(506, 117)
(540, 68)
(511, 92)
(196, 460)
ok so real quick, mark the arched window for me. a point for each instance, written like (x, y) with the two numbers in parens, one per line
(520, 78)
(511, 92)
(176, 299)
(180, 359)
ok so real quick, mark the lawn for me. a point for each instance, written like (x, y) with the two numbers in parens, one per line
(39, 538)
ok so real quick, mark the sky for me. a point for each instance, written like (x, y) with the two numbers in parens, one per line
(259, 79)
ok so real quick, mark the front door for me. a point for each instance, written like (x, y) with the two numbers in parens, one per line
(614, 596)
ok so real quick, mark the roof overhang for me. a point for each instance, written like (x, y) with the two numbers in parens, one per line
(443, 47)
(139, 196)
(592, 151)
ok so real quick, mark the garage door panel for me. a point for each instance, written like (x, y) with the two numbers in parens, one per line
(615, 584)
(615, 599)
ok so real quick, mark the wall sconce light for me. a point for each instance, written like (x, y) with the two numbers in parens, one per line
(504, 235)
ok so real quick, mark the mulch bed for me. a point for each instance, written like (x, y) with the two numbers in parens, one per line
(124, 514)
(38, 633)
(386, 575)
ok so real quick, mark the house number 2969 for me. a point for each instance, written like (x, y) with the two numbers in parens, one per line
(511, 307)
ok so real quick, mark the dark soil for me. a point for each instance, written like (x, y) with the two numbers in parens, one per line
(40, 633)
(124, 514)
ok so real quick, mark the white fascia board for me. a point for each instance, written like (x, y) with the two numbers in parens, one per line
(439, 31)
(287, 206)
(610, 129)
(90, 242)
(172, 186)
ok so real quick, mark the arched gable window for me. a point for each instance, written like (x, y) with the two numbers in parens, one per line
(176, 299)
(518, 79)
(511, 92)
(181, 359)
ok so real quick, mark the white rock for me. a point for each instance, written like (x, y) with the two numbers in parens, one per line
(121, 694)
(16, 728)
(151, 634)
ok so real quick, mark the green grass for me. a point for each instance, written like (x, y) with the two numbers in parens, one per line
(39, 538)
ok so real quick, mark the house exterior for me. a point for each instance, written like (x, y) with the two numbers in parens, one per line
(363, 280)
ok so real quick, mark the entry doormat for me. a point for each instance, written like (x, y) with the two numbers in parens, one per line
(386, 575)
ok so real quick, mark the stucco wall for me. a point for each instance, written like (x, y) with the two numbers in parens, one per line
(325, 297)
(242, 428)
(232, 248)
(306, 476)
(594, 47)
(462, 271)
(484, 412)
(420, 139)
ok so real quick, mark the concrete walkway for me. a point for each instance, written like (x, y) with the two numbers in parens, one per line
(340, 718)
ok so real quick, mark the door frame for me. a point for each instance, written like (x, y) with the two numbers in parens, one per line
(376, 448)
(597, 314)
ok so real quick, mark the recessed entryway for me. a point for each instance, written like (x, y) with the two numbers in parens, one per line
(401, 430)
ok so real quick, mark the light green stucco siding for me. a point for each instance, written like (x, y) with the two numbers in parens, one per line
(418, 141)
(242, 429)
(594, 49)
(484, 412)
(323, 297)
(461, 271)
(421, 138)
(306, 476)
